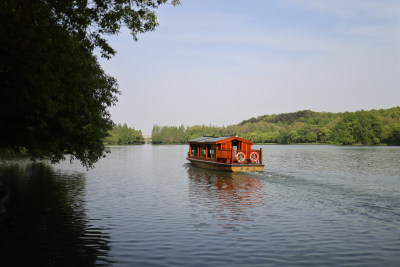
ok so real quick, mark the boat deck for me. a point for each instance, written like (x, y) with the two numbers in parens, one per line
(235, 167)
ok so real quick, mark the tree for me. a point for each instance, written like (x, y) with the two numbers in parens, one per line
(54, 94)
(287, 137)
(358, 127)
(395, 134)
(343, 136)
(124, 135)
(324, 134)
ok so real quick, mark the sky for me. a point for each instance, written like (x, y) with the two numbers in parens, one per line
(220, 62)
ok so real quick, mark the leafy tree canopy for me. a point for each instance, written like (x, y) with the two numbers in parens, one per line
(53, 93)
(124, 135)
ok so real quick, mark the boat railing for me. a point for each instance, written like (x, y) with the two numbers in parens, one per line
(229, 155)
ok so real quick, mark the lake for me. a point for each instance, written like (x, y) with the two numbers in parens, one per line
(146, 206)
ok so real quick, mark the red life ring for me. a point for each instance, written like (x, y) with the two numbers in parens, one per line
(240, 157)
(256, 158)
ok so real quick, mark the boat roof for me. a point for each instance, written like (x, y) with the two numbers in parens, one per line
(208, 139)
(214, 139)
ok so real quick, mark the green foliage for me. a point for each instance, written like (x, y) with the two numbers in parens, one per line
(324, 134)
(394, 136)
(360, 127)
(180, 135)
(54, 94)
(288, 137)
(124, 135)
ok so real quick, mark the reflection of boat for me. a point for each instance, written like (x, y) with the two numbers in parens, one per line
(226, 153)
(233, 183)
(231, 195)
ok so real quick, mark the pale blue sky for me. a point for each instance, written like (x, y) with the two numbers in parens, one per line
(223, 61)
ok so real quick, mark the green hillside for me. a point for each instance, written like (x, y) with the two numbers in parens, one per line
(362, 127)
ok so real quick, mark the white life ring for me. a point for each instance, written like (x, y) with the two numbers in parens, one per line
(256, 158)
(240, 157)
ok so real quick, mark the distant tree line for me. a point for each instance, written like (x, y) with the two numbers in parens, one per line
(362, 127)
(124, 135)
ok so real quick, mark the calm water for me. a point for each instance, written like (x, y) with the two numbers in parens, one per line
(145, 206)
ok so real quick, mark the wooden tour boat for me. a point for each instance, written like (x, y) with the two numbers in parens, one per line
(226, 153)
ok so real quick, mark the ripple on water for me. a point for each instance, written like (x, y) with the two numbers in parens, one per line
(142, 206)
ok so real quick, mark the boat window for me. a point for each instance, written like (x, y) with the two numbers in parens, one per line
(194, 150)
(203, 151)
(212, 151)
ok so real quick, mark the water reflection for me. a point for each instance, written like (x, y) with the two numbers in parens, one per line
(232, 197)
(45, 222)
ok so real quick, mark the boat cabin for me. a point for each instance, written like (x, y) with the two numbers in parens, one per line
(225, 149)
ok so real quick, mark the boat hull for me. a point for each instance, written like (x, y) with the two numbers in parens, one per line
(212, 165)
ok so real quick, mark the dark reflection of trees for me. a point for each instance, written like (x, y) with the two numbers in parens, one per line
(233, 195)
(45, 224)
